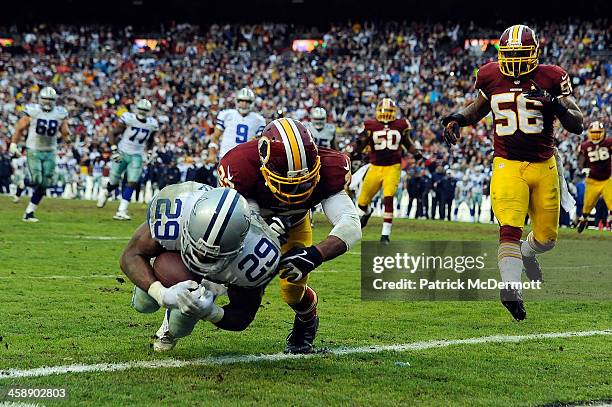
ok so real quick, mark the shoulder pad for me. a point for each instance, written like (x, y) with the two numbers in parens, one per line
(31, 109)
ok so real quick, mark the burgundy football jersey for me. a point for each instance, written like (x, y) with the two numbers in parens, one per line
(597, 158)
(385, 140)
(240, 169)
(523, 127)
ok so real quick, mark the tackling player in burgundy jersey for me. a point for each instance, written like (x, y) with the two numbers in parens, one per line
(594, 156)
(525, 99)
(285, 174)
(384, 136)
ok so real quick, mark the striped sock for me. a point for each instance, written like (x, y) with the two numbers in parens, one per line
(306, 309)
(510, 261)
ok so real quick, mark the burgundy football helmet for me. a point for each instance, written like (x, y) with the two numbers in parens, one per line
(518, 51)
(290, 161)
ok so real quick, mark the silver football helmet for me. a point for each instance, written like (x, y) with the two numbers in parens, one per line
(214, 233)
(318, 117)
(143, 109)
(244, 101)
(47, 98)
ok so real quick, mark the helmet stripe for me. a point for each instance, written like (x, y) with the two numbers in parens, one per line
(300, 143)
(295, 149)
(281, 131)
(520, 34)
(227, 218)
(213, 220)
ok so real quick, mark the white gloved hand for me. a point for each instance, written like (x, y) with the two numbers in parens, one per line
(168, 297)
(199, 304)
(13, 149)
(116, 155)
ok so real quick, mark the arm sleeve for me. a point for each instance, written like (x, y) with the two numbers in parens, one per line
(480, 83)
(240, 312)
(562, 84)
(341, 213)
(220, 121)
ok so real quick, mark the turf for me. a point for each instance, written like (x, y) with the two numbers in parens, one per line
(65, 301)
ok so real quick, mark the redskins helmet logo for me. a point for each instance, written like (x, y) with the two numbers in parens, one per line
(290, 161)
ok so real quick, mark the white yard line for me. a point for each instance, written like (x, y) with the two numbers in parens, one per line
(230, 360)
(26, 277)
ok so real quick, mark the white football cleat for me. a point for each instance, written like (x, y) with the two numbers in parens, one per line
(16, 199)
(30, 217)
(122, 215)
(163, 341)
(102, 198)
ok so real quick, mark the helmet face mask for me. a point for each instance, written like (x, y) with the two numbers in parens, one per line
(290, 162)
(518, 51)
(318, 117)
(143, 109)
(214, 234)
(47, 98)
(596, 132)
(386, 111)
(244, 101)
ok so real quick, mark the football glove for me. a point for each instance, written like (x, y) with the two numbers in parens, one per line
(451, 124)
(198, 304)
(168, 297)
(13, 149)
(298, 262)
(115, 154)
(547, 99)
(279, 225)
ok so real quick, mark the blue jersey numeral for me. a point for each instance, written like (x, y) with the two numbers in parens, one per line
(264, 250)
(242, 132)
(46, 127)
(168, 228)
(135, 131)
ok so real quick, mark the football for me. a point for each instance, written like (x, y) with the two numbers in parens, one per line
(170, 269)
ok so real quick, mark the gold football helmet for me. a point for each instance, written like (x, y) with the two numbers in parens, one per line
(596, 132)
(386, 110)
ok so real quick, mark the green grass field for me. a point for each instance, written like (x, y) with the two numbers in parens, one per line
(64, 301)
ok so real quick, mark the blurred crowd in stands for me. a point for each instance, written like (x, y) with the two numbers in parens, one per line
(191, 72)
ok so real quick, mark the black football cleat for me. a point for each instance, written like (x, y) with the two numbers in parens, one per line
(582, 224)
(384, 239)
(365, 218)
(513, 301)
(301, 338)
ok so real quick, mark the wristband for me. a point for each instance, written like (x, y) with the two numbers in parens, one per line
(156, 291)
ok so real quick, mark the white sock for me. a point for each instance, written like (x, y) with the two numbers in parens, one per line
(386, 228)
(123, 205)
(31, 207)
(510, 262)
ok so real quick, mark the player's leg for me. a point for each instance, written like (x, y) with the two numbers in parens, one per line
(544, 207)
(606, 193)
(510, 200)
(41, 167)
(390, 181)
(116, 171)
(300, 297)
(371, 184)
(593, 190)
(134, 170)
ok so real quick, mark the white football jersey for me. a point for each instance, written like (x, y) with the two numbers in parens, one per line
(169, 211)
(44, 127)
(463, 188)
(478, 180)
(136, 133)
(238, 129)
(323, 137)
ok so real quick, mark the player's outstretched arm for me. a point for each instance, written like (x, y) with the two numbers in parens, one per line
(117, 130)
(65, 130)
(572, 118)
(469, 115)
(360, 144)
(213, 146)
(20, 128)
(136, 258)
